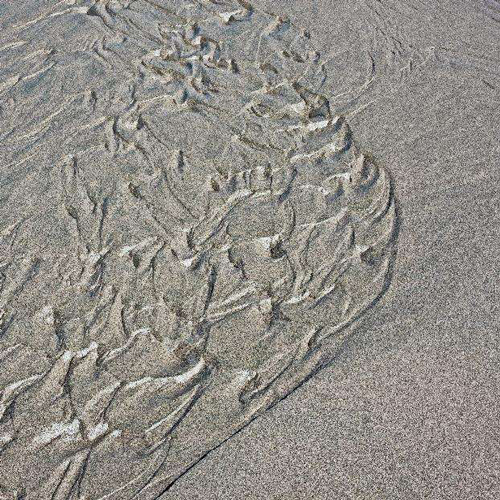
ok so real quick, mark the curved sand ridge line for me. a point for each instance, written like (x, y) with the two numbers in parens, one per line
(209, 235)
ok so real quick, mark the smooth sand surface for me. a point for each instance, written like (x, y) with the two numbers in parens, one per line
(222, 230)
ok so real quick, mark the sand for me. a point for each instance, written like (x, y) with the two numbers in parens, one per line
(248, 250)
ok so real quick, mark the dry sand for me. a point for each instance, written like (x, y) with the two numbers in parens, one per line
(268, 230)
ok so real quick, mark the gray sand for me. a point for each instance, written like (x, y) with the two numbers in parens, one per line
(267, 230)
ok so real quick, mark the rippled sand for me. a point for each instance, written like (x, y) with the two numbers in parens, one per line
(193, 224)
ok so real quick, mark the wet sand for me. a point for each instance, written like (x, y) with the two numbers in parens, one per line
(248, 250)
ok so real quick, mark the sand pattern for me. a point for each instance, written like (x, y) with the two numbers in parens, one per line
(188, 234)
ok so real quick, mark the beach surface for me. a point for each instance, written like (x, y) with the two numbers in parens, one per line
(249, 249)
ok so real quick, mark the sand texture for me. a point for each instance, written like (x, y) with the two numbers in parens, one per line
(203, 204)
(194, 234)
(410, 408)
